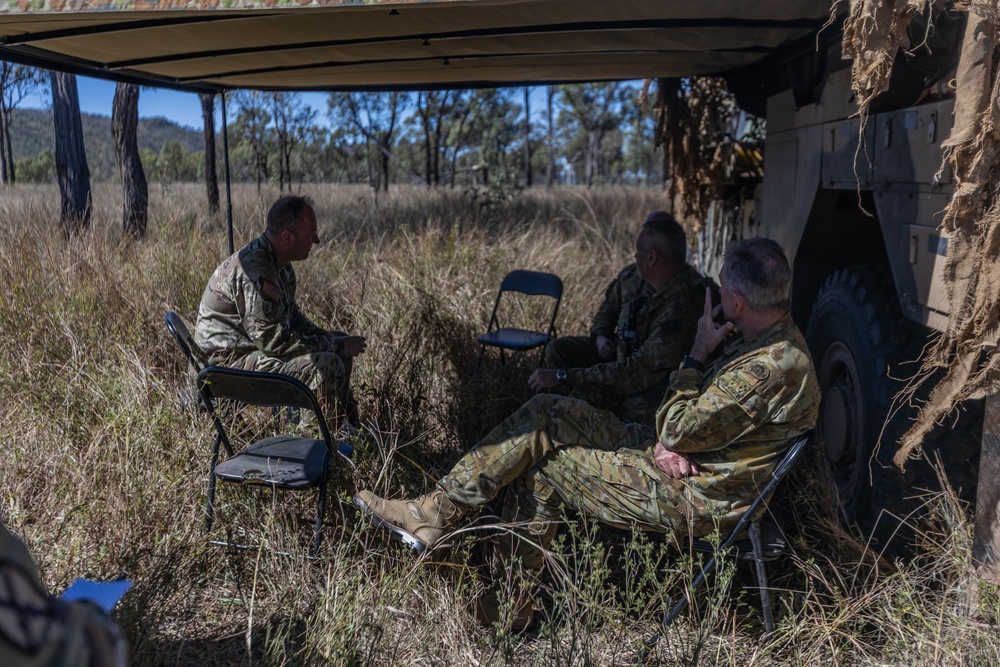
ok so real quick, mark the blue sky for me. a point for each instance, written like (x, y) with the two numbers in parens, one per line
(96, 96)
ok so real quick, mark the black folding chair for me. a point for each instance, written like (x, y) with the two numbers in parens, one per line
(279, 462)
(532, 283)
(764, 542)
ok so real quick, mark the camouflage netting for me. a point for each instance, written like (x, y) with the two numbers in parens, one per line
(694, 120)
(967, 350)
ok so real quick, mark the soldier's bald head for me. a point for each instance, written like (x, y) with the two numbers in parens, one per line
(287, 213)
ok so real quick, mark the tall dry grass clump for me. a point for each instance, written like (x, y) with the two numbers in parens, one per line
(103, 472)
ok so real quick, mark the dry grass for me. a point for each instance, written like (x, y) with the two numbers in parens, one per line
(104, 474)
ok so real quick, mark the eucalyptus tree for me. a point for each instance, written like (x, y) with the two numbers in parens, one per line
(251, 133)
(592, 110)
(16, 82)
(71, 155)
(375, 118)
(211, 176)
(135, 191)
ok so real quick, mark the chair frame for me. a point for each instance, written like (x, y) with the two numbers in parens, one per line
(273, 390)
(730, 546)
(532, 283)
(182, 336)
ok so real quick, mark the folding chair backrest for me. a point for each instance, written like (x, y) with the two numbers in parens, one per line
(534, 283)
(256, 388)
(178, 329)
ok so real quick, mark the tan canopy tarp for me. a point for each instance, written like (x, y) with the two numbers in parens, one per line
(206, 45)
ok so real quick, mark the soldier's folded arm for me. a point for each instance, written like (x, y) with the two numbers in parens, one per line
(695, 420)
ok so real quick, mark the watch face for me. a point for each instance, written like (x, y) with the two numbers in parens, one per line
(561, 374)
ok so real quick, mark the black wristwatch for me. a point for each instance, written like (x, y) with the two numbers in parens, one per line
(561, 375)
(691, 362)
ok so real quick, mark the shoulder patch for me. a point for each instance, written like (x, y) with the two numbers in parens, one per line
(270, 291)
(758, 370)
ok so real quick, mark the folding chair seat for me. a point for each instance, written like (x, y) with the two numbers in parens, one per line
(532, 283)
(285, 462)
(764, 542)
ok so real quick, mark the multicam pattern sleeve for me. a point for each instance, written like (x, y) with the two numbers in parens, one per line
(760, 392)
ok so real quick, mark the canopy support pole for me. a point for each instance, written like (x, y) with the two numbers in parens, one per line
(225, 169)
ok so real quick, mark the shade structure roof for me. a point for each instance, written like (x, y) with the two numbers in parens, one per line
(215, 45)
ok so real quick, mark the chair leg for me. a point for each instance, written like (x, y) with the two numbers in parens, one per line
(320, 511)
(674, 612)
(210, 504)
(765, 596)
(479, 362)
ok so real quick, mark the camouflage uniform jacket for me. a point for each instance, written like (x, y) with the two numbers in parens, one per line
(654, 331)
(736, 419)
(626, 286)
(249, 305)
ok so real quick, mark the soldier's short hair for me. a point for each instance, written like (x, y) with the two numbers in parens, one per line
(758, 269)
(669, 232)
(287, 212)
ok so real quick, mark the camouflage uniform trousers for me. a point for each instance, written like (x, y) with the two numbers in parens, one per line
(558, 453)
(327, 374)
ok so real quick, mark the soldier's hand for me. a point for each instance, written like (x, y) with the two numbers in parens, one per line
(352, 346)
(710, 333)
(542, 379)
(605, 348)
(674, 464)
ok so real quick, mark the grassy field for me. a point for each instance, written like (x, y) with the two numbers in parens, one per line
(104, 474)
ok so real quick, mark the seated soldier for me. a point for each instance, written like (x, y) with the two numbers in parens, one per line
(718, 435)
(249, 319)
(655, 327)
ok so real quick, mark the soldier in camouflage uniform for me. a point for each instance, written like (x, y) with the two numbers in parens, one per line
(599, 346)
(718, 435)
(655, 328)
(249, 319)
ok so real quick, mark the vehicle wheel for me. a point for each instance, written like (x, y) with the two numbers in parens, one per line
(855, 333)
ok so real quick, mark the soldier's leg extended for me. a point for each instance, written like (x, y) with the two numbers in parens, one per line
(541, 426)
(621, 488)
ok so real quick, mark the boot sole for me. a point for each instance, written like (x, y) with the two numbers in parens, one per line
(405, 536)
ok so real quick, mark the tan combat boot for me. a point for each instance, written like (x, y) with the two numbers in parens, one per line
(419, 523)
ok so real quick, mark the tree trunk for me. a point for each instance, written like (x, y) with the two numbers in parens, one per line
(11, 171)
(135, 192)
(71, 156)
(550, 177)
(4, 177)
(591, 157)
(211, 176)
(527, 139)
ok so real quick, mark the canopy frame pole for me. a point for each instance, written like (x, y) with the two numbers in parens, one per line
(225, 169)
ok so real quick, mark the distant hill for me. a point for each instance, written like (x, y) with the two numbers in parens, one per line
(32, 132)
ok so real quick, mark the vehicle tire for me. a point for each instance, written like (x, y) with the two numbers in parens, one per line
(865, 351)
(856, 334)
